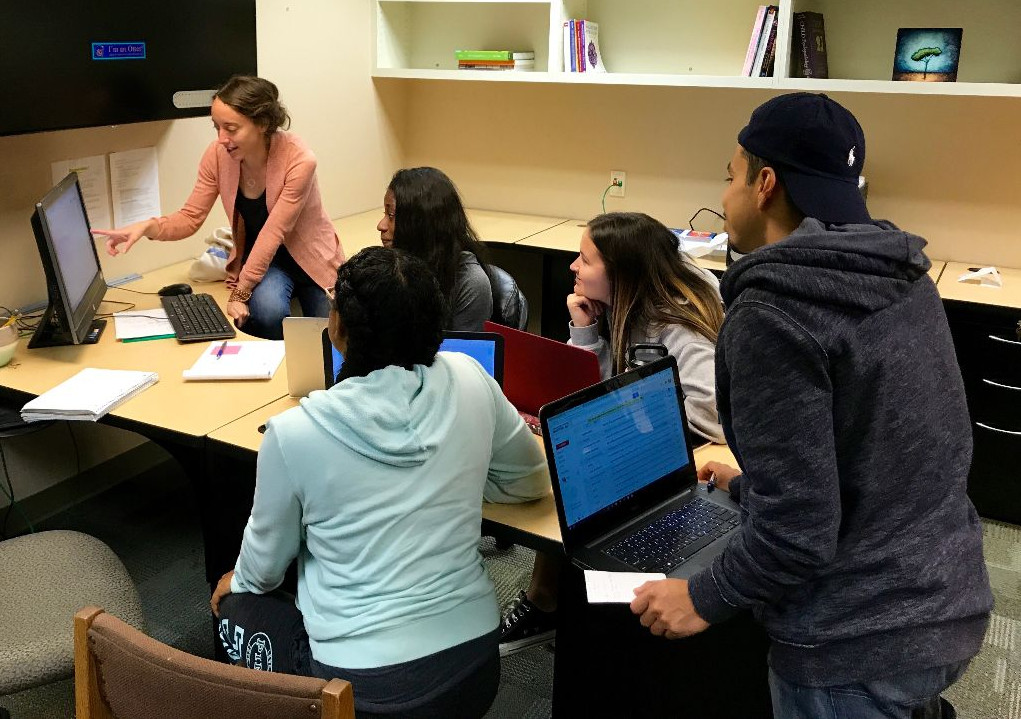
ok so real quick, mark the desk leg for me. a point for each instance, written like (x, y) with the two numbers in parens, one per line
(607, 664)
(557, 284)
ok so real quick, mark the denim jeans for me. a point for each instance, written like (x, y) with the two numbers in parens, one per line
(915, 695)
(271, 298)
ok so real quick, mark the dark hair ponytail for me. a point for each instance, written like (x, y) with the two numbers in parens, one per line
(392, 310)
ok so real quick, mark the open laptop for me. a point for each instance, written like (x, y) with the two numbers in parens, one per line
(485, 347)
(541, 370)
(624, 479)
(303, 348)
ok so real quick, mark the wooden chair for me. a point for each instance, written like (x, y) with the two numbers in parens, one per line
(121, 673)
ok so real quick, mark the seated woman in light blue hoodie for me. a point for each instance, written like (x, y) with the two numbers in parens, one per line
(376, 486)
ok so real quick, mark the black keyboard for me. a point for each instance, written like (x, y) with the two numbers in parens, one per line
(675, 537)
(196, 318)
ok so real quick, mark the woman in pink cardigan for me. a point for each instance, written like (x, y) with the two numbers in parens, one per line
(284, 244)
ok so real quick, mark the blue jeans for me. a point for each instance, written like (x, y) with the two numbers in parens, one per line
(915, 695)
(271, 298)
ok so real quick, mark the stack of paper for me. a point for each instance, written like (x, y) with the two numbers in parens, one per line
(135, 325)
(237, 360)
(88, 395)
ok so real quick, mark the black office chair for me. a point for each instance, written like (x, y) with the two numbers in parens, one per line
(510, 308)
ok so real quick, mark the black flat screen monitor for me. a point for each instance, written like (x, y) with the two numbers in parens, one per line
(74, 280)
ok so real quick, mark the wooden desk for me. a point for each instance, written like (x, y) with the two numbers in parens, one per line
(1009, 295)
(566, 237)
(936, 270)
(359, 231)
(190, 409)
(531, 524)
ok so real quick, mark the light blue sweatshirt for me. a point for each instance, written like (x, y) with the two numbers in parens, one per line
(377, 485)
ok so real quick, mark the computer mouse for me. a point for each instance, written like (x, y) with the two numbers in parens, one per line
(180, 288)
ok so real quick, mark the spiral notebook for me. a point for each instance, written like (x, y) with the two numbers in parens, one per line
(88, 395)
(257, 359)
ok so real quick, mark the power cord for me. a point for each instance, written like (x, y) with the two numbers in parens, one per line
(127, 289)
(615, 183)
(9, 493)
(699, 211)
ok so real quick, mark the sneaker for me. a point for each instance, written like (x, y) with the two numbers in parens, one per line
(525, 625)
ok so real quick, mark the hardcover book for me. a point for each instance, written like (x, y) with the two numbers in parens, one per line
(768, 28)
(927, 54)
(753, 42)
(809, 46)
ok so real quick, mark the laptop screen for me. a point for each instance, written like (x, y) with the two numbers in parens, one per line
(485, 347)
(610, 447)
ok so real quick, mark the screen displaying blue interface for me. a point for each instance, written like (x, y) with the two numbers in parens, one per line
(614, 445)
(483, 351)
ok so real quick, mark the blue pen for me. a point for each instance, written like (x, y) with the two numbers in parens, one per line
(219, 352)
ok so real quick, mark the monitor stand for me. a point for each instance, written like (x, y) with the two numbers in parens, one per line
(53, 332)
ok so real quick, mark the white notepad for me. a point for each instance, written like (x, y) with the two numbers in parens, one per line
(257, 359)
(88, 395)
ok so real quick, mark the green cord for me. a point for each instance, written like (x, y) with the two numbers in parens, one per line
(611, 186)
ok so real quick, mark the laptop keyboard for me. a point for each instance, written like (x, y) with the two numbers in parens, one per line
(675, 537)
(196, 318)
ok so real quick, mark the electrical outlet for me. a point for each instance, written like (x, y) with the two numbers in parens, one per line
(618, 178)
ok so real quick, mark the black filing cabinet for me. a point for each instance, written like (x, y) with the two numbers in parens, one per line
(989, 351)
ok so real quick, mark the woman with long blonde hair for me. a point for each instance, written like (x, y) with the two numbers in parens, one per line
(632, 285)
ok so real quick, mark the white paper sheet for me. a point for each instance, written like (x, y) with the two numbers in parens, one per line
(987, 276)
(135, 324)
(134, 185)
(616, 587)
(92, 178)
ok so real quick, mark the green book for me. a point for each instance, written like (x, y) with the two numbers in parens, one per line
(493, 55)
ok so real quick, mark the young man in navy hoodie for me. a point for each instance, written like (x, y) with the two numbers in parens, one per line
(840, 396)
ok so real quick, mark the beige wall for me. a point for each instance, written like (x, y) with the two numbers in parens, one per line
(943, 167)
(318, 52)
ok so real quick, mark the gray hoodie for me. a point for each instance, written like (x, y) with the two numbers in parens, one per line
(840, 395)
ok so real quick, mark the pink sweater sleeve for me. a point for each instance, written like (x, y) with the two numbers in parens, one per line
(186, 221)
(282, 218)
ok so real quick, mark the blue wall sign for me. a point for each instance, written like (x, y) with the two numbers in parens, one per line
(118, 51)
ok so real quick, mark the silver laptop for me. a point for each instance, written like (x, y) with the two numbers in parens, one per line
(303, 347)
(624, 479)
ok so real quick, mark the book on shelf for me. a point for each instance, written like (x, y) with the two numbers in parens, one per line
(88, 395)
(753, 42)
(809, 46)
(496, 64)
(494, 55)
(581, 47)
(768, 31)
(769, 58)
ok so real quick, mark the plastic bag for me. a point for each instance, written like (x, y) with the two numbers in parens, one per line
(212, 265)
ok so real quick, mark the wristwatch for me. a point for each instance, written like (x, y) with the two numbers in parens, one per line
(240, 295)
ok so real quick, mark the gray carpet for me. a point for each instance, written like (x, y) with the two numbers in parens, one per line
(150, 522)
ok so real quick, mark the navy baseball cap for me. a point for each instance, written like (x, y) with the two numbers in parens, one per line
(817, 148)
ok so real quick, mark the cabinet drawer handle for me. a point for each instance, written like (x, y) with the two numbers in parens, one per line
(997, 429)
(1001, 386)
(1005, 341)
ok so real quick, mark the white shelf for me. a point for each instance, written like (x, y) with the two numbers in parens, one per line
(610, 78)
(693, 43)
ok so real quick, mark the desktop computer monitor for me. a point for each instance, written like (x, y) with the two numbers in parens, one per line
(74, 280)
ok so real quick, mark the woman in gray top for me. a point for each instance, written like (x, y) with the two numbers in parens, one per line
(435, 228)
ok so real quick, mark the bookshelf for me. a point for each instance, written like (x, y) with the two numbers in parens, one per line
(696, 43)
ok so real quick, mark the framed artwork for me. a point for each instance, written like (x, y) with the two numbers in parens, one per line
(927, 54)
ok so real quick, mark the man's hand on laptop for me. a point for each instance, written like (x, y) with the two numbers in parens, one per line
(723, 473)
(665, 608)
